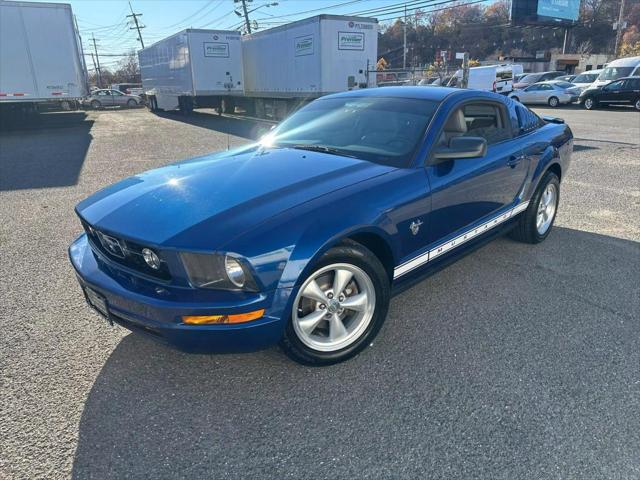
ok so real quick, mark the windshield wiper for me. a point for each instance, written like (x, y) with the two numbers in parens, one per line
(321, 148)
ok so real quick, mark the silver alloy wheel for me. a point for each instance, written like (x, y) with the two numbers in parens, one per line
(553, 102)
(334, 307)
(588, 103)
(546, 208)
(638, 104)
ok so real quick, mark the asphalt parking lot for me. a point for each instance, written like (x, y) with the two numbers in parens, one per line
(517, 362)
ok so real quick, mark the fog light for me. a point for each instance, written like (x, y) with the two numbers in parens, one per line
(151, 258)
(213, 319)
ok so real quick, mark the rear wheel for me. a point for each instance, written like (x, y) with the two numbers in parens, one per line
(554, 102)
(536, 221)
(95, 104)
(132, 103)
(589, 103)
(637, 104)
(339, 308)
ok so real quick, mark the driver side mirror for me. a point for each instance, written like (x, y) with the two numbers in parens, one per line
(461, 147)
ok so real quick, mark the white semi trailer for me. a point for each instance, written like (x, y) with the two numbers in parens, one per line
(193, 68)
(41, 57)
(292, 64)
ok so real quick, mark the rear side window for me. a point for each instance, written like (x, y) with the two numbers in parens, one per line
(487, 121)
(527, 120)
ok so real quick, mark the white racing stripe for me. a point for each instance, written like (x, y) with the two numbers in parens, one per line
(459, 240)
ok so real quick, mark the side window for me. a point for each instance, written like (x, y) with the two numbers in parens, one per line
(615, 86)
(546, 86)
(487, 121)
(532, 88)
(527, 120)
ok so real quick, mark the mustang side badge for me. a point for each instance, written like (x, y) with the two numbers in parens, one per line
(415, 226)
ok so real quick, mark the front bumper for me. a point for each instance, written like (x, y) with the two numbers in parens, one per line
(156, 310)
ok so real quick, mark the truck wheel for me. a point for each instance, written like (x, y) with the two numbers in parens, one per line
(95, 104)
(228, 105)
(339, 308)
(589, 103)
(554, 102)
(536, 221)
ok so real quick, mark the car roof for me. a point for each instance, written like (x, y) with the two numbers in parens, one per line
(624, 62)
(436, 94)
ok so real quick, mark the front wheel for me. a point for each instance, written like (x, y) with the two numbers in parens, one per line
(589, 103)
(637, 104)
(95, 104)
(554, 102)
(536, 221)
(132, 103)
(339, 307)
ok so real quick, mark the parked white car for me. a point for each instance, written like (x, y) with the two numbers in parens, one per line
(585, 79)
(553, 93)
(111, 98)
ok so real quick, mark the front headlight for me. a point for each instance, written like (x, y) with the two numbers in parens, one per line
(220, 272)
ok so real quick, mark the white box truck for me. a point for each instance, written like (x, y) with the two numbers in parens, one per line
(192, 68)
(40, 56)
(295, 63)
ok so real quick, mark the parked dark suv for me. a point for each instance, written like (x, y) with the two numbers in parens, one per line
(624, 91)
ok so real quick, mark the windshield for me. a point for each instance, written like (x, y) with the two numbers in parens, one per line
(613, 73)
(531, 78)
(586, 78)
(378, 129)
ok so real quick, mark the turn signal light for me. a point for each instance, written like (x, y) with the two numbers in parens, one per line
(216, 319)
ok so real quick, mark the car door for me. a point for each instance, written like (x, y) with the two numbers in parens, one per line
(528, 95)
(118, 98)
(544, 92)
(104, 96)
(613, 93)
(466, 191)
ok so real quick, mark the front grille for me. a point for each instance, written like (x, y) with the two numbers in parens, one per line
(124, 252)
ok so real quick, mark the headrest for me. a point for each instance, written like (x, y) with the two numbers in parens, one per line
(456, 123)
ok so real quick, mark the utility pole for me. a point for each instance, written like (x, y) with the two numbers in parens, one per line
(619, 27)
(97, 60)
(465, 71)
(404, 43)
(138, 26)
(246, 14)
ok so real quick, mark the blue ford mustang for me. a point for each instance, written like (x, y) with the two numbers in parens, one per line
(303, 237)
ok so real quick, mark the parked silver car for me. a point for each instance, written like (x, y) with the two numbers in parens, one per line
(110, 98)
(552, 93)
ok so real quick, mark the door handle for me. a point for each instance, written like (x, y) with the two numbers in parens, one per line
(515, 160)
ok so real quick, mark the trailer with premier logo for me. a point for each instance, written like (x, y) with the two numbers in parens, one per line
(193, 68)
(292, 64)
(41, 57)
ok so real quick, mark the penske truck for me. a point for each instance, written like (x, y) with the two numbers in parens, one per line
(266, 74)
(41, 58)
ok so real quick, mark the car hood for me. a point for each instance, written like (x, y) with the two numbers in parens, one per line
(205, 202)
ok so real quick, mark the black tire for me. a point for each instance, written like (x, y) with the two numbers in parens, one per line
(355, 254)
(525, 229)
(132, 103)
(95, 104)
(589, 103)
(637, 104)
(228, 106)
(554, 102)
